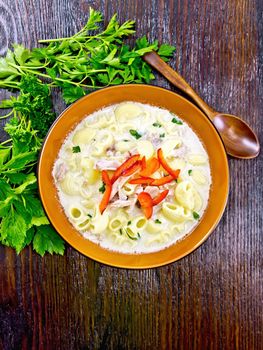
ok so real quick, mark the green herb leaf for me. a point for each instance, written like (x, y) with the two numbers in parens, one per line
(162, 135)
(72, 93)
(128, 223)
(196, 216)
(39, 221)
(33, 205)
(166, 50)
(29, 237)
(135, 134)
(157, 221)
(4, 154)
(47, 240)
(17, 178)
(102, 189)
(157, 125)
(76, 149)
(21, 53)
(190, 172)
(89, 215)
(13, 230)
(177, 121)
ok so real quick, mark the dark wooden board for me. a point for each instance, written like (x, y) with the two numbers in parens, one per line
(211, 299)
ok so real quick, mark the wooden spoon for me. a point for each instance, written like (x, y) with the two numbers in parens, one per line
(239, 140)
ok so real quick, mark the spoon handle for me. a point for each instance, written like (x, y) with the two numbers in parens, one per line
(155, 61)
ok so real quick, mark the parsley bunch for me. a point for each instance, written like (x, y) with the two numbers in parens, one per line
(91, 59)
(22, 217)
(84, 61)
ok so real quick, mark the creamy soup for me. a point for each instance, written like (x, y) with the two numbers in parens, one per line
(133, 178)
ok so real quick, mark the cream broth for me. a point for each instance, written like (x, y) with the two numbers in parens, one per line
(104, 140)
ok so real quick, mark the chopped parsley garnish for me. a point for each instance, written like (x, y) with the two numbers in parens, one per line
(196, 215)
(177, 121)
(120, 231)
(128, 223)
(76, 149)
(162, 135)
(126, 140)
(90, 216)
(157, 221)
(102, 189)
(135, 134)
(157, 125)
(190, 172)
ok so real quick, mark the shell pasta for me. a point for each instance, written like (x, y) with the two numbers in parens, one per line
(133, 178)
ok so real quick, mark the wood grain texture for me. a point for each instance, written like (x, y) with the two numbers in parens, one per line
(211, 299)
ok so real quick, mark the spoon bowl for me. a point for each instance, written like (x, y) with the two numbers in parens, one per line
(239, 139)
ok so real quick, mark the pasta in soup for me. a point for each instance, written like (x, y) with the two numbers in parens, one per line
(133, 178)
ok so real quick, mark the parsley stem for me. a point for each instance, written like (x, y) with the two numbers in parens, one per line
(37, 73)
(42, 41)
(13, 86)
(6, 115)
(6, 141)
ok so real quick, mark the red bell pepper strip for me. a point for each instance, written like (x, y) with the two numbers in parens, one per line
(160, 197)
(136, 166)
(105, 177)
(105, 199)
(152, 165)
(143, 162)
(166, 166)
(162, 181)
(146, 203)
(124, 166)
(141, 181)
(148, 212)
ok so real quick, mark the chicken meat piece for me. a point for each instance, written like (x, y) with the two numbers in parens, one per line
(106, 164)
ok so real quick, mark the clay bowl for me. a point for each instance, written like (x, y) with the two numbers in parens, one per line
(158, 97)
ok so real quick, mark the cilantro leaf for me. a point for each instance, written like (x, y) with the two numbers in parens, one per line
(47, 240)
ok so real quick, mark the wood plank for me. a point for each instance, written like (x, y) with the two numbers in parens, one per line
(208, 300)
